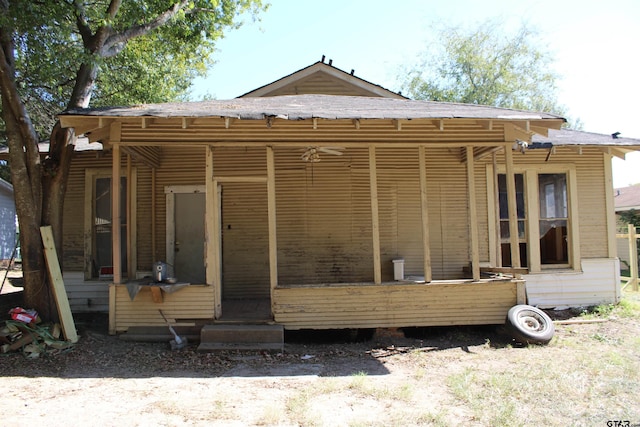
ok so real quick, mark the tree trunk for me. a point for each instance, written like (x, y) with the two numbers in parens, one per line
(26, 176)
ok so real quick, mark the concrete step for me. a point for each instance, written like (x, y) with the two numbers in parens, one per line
(160, 333)
(241, 337)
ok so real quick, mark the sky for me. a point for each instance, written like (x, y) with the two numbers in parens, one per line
(595, 46)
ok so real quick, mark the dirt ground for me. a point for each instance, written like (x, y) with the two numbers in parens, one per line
(588, 375)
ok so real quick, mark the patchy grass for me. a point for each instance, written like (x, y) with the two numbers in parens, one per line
(588, 374)
(579, 379)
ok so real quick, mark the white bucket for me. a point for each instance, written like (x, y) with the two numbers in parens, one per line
(398, 269)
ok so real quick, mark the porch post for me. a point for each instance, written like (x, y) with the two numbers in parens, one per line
(212, 234)
(426, 244)
(271, 206)
(514, 240)
(473, 215)
(375, 221)
(131, 261)
(612, 248)
(115, 214)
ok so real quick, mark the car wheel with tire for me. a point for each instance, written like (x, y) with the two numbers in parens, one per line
(529, 325)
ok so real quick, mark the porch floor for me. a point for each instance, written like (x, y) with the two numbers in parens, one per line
(257, 310)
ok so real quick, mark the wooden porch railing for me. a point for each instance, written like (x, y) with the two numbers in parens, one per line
(632, 237)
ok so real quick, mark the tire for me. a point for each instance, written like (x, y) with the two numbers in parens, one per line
(529, 325)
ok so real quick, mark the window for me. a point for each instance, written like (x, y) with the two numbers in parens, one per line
(505, 243)
(545, 220)
(97, 224)
(101, 233)
(553, 218)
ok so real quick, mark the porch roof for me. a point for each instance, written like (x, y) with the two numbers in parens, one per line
(303, 107)
(569, 137)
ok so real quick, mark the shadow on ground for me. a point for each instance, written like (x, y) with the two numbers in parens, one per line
(306, 353)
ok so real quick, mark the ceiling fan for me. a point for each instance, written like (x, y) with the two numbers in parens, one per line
(312, 154)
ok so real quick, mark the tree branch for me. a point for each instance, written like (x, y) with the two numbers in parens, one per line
(116, 42)
(81, 22)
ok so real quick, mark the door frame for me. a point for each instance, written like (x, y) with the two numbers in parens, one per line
(90, 176)
(170, 196)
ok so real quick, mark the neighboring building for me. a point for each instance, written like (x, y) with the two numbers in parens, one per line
(625, 199)
(301, 203)
(7, 222)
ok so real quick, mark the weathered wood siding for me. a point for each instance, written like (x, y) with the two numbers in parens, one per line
(590, 186)
(393, 305)
(320, 83)
(185, 305)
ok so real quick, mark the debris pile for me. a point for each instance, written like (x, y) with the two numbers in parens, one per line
(26, 333)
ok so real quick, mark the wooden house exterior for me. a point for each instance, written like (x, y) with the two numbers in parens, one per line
(7, 222)
(299, 204)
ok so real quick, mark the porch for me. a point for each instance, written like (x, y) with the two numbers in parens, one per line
(329, 306)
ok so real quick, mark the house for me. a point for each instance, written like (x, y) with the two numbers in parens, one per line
(625, 199)
(7, 222)
(303, 207)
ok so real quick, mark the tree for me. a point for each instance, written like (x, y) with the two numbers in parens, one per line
(58, 54)
(482, 65)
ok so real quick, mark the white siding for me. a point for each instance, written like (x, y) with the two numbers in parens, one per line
(86, 296)
(597, 283)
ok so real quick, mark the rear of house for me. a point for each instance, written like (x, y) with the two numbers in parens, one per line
(326, 211)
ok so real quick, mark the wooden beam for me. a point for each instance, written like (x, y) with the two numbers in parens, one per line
(147, 121)
(271, 207)
(116, 238)
(130, 259)
(356, 123)
(57, 285)
(533, 220)
(187, 122)
(149, 156)
(486, 124)
(397, 124)
(513, 133)
(513, 209)
(105, 122)
(154, 251)
(212, 234)
(240, 179)
(112, 309)
(99, 134)
(375, 220)
(614, 152)
(540, 130)
(473, 215)
(574, 220)
(424, 202)
(495, 238)
(86, 123)
(633, 249)
(315, 123)
(482, 152)
(612, 247)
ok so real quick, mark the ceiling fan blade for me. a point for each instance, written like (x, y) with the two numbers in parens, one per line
(332, 150)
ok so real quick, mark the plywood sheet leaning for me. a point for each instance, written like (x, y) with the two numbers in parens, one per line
(57, 284)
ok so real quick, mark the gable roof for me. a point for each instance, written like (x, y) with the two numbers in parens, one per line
(321, 78)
